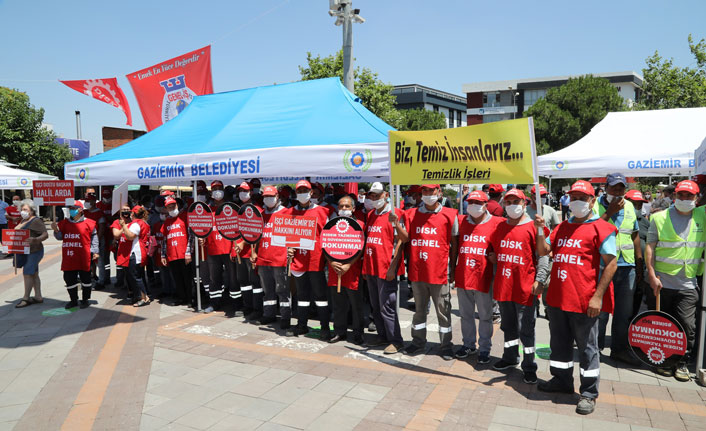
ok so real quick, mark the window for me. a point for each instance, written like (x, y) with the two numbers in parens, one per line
(458, 119)
(435, 108)
(531, 97)
(497, 98)
(485, 98)
(451, 118)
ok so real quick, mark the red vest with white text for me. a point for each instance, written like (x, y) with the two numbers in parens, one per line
(576, 265)
(266, 254)
(379, 244)
(429, 238)
(144, 240)
(473, 270)
(310, 260)
(514, 247)
(177, 236)
(76, 244)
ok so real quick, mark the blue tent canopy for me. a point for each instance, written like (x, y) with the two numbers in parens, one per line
(311, 128)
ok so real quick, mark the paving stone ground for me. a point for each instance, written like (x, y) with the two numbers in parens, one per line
(159, 367)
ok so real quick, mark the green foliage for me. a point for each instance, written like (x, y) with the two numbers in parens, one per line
(373, 93)
(569, 112)
(668, 86)
(24, 141)
(421, 119)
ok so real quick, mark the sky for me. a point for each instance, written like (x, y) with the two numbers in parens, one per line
(439, 44)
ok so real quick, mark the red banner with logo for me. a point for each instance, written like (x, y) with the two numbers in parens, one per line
(15, 241)
(200, 219)
(342, 239)
(165, 89)
(106, 90)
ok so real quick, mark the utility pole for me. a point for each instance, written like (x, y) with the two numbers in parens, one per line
(78, 124)
(346, 16)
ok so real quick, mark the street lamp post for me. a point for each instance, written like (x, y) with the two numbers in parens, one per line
(346, 16)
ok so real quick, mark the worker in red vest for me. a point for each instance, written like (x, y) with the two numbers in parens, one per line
(474, 276)
(271, 264)
(307, 267)
(248, 281)
(176, 250)
(433, 233)
(218, 250)
(584, 253)
(349, 296)
(79, 247)
(131, 232)
(519, 277)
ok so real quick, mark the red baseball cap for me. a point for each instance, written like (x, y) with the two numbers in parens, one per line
(687, 186)
(542, 190)
(635, 195)
(495, 188)
(166, 193)
(584, 187)
(136, 208)
(513, 192)
(216, 183)
(244, 185)
(431, 186)
(269, 191)
(303, 183)
(320, 187)
(477, 195)
(414, 189)
(169, 200)
(200, 186)
(78, 204)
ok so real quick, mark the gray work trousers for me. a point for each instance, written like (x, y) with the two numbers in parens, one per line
(440, 295)
(274, 282)
(565, 328)
(517, 323)
(468, 301)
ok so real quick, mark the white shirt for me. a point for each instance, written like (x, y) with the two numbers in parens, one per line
(135, 228)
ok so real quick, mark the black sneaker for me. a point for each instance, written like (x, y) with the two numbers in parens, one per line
(336, 338)
(412, 350)
(502, 365)
(266, 320)
(254, 316)
(463, 352)
(358, 340)
(447, 354)
(376, 342)
(484, 358)
(626, 357)
(325, 335)
(71, 304)
(586, 406)
(554, 385)
(296, 331)
(84, 303)
(98, 286)
(530, 377)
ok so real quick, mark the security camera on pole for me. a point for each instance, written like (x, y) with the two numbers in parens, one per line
(346, 15)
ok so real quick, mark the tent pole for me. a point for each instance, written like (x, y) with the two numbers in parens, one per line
(196, 253)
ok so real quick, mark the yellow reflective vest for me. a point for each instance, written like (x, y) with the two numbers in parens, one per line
(623, 239)
(673, 253)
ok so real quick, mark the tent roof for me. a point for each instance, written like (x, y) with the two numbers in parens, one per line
(13, 178)
(306, 113)
(636, 143)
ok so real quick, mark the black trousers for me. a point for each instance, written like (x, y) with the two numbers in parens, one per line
(74, 279)
(312, 285)
(219, 268)
(680, 304)
(342, 301)
(249, 287)
(181, 273)
(273, 280)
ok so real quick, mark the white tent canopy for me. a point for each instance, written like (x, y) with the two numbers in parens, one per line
(656, 143)
(19, 179)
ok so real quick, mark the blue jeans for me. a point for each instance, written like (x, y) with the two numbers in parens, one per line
(624, 292)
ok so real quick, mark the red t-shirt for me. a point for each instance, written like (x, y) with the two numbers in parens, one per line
(12, 211)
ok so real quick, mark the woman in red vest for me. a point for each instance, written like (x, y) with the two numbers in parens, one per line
(581, 245)
(79, 246)
(131, 251)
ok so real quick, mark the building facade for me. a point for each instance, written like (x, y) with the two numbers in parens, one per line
(415, 96)
(504, 100)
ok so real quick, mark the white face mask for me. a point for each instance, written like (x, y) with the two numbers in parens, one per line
(475, 210)
(162, 217)
(368, 204)
(303, 197)
(106, 200)
(514, 211)
(16, 203)
(24, 214)
(610, 197)
(200, 198)
(430, 200)
(270, 201)
(579, 209)
(345, 213)
(174, 212)
(218, 194)
(256, 190)
(543, 200)
(88, 205)
(684, 205)
(378, 204)
(361, 199)
(315, 201)
(244, 196)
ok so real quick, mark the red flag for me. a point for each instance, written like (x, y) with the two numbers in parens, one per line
(165, 89)
(106, 90)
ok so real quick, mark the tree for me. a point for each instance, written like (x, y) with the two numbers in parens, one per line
(421, 119)
(24, 141)
(373, 93)
(569, 112)
(668, 86)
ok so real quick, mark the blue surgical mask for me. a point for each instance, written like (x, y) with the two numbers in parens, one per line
(73, 212)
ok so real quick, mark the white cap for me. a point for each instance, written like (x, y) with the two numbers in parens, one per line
(377, 188)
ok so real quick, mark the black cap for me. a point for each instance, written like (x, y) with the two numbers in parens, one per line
(616, 178)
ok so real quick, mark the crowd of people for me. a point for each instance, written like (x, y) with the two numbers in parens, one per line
(606, 253)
